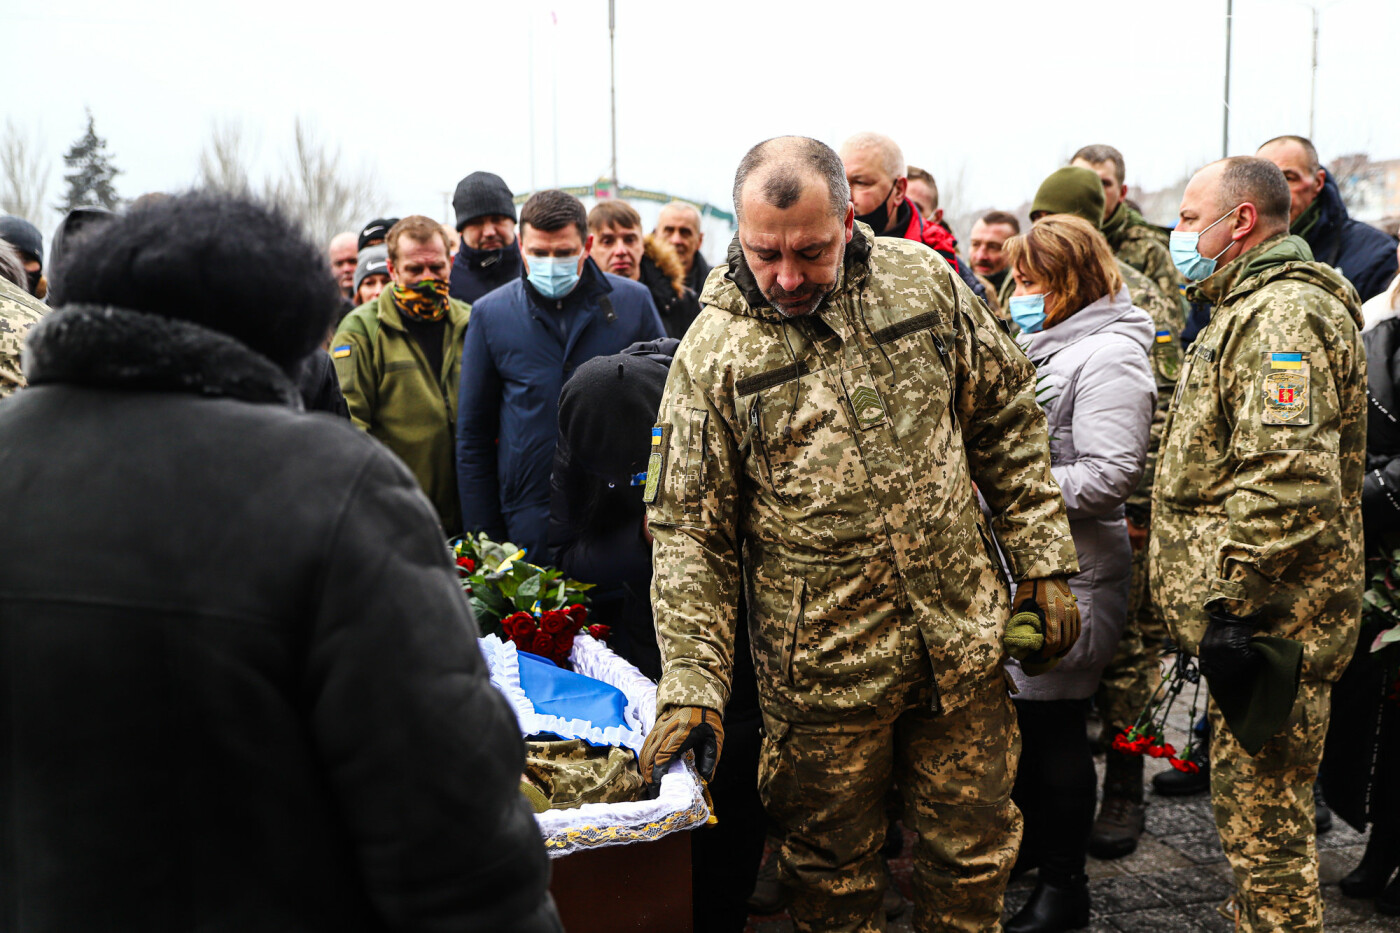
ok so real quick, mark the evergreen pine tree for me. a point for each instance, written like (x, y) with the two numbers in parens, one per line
(90, 173)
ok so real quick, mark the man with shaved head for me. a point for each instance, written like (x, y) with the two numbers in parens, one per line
(827, 422)
(1255, 554)
(1365, 255)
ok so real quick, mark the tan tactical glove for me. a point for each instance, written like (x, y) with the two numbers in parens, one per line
(676, 731)
(1050, 599)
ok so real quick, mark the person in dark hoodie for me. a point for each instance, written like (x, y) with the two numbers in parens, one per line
(242, 685)
(29, 242)
(598, 534)
(525, 340)
(1357, 250)
(489, 256)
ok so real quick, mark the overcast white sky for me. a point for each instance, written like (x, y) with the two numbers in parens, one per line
(996, 93)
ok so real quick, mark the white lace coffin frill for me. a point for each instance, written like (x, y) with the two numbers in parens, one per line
(681, 803)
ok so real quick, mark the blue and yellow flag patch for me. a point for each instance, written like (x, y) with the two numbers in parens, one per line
(340, 352)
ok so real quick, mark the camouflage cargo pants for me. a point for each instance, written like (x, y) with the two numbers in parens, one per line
(824, 786)
(1135, 670)
(1264, 810)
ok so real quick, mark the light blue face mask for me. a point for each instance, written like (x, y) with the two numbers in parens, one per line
(1028, 311)
(1187, 260)
(553, 277)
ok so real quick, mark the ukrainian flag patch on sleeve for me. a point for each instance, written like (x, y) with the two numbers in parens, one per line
(1164, 336)
(340, 352)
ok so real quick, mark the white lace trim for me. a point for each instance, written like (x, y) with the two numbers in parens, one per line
(504, 662)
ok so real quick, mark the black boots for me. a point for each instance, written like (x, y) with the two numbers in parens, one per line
(1057, 904)
(1120, 820)
(1369, 879)
(1322, 814)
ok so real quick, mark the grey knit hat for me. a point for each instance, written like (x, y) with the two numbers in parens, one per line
(480, 194)
(374, 260)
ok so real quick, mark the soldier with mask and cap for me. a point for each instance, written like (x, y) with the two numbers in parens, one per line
(1256, 550)
(826, 425)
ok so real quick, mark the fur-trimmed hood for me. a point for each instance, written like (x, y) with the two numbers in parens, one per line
(663, 255)
(112, 348)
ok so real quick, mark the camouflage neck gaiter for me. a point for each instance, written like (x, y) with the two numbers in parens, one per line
(425, 301)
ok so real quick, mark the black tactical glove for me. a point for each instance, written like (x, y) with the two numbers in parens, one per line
(1226, 652)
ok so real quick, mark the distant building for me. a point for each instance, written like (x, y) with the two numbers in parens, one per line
(1371, 190)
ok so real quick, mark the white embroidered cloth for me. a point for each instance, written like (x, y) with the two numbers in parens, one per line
(681, 803)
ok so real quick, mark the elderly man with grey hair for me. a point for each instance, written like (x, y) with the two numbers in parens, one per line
(679, 224)
(879, 181)
(825, 424)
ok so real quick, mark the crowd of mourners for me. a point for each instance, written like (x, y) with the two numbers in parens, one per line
(241, 687)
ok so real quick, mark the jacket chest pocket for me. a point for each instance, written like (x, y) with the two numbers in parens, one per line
(803, 446)
(918, 387)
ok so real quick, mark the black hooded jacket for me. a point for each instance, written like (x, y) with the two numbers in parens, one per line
(478, 271)
(1380, 492)
(239, 684)
(1359, 251)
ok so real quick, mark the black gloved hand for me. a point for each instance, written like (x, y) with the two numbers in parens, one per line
(1226, 651)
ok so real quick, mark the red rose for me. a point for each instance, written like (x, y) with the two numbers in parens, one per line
(555, 622)
(579, 614)
(519, 625)
(563, 644)
(467, 564)
(542, 644)
(600, 632)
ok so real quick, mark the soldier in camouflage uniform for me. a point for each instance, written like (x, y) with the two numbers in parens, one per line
(1256, 510)
(824, 423)
(19, 311)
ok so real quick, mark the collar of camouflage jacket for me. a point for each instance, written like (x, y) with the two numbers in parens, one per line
(739, 293)
(112, 348)
(1280, 257)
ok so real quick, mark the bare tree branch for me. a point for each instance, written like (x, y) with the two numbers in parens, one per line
(24, 174)
(223, 165)
(316, 190)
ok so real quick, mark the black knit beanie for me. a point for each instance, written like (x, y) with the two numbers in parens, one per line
(481, 194)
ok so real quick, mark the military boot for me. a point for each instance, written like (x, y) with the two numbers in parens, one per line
(1121, 815)
(769, 895)
(1184, 783)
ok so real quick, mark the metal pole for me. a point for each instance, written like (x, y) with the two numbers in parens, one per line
(612, 89)
(1312, 101)
(1225, 135)
(530, 89)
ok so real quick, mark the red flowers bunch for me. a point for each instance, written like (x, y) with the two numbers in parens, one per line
(551, 634)
(1147, 735)
(465, 566)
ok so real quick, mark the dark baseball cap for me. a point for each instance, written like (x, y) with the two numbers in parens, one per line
(377, 229)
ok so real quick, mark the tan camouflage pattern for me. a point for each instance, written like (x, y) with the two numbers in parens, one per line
(19, 311)
(570, 773)
(1265, 518)
(1144, 247)
(826, 463)
(1264, 809)
(825, 788)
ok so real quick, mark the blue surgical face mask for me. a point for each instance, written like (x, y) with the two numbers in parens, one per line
(1185, 257)
(553, 277)
(1028, 311)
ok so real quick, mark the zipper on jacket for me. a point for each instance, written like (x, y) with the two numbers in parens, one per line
(756, 429)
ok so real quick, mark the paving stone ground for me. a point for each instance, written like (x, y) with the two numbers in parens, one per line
(1178, 877)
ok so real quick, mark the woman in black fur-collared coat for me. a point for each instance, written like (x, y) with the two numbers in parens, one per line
(239, 684)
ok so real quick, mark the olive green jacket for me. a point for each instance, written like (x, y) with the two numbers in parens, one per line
(1257, 501)
(827, 464)
(393, 395)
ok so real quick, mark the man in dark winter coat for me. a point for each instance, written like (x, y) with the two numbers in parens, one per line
(598, 535)
(525, 340)
(620, 247)
(878, 176)
(26, 238)
(241, 688)
(1359, 251)
(489, 256)
(679, 224)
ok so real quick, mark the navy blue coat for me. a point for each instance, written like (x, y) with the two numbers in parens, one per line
(515, 361)
(478, 271)
(1365, 255)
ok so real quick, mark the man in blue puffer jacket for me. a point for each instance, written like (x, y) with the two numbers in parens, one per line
(526, 338)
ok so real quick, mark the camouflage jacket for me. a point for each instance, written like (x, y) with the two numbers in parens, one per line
(826, 463)
(1142, 246)
(19, 311)
(1256, 506)
(1168, 320)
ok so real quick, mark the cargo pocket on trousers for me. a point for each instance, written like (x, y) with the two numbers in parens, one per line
(787, 649)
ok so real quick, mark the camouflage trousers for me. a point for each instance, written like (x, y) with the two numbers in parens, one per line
(1136, 669)
(824, 787)
(1264, 811)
